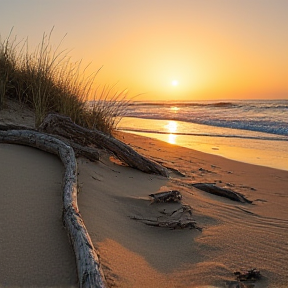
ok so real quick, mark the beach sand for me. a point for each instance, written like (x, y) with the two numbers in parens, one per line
(34, 246)
(234, 235)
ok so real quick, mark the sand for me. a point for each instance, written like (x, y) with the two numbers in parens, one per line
(35, 249)
(234, 235)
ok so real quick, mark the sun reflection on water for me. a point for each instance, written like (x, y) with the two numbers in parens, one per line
(172, 138)
(174, 109)
(171, 127)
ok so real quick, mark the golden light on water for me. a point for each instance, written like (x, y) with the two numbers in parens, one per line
(172, 128)
(174, 109)
(172, 138)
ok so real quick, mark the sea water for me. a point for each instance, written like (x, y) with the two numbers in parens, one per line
(254, 132)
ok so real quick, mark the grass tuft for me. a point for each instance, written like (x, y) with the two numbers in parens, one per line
(47, 81)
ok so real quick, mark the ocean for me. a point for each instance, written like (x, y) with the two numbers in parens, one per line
(254, 132)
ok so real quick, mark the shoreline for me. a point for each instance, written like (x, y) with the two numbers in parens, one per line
(252, 151)
(234, 151)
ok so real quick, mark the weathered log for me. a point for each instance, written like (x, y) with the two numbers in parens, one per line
(6, 127)
(88, 266)
(167, 196)
(63, 126)
(88, 152)
(213, 189)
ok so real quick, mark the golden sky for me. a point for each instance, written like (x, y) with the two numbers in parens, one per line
(211, 49)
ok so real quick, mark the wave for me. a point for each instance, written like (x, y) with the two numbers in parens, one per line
(260, 116)
(276, 104)
(184, 104)
(129, 129)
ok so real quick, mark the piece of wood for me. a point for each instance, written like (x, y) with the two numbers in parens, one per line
(252, 274)
(171, 224)
(167, 196)
(213, 189)
(88, 152)
(88, 265)
(180, 218)
(6, 127)
(63, 126)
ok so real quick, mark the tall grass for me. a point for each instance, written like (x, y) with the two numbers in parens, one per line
(8, 63)
(109, 103)
(48, 81)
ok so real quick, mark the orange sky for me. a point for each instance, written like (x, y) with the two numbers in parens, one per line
(215, 49)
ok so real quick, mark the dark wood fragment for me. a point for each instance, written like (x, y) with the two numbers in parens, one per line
(213, 189)
(88, 152)
(167, 196)
(6, 127)
(180, 218)
(252, 274)
(172, 224)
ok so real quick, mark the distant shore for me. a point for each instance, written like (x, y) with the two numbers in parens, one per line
(112, 196)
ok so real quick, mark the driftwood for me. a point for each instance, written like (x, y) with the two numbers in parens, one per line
(6, 127)
(168, 196)
(63, 126)
(213, 189)
(172, 224)
(178, 219)
(88, 266)
(252, 274)
(88, 152)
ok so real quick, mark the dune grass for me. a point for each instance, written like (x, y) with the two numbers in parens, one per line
(49, 82)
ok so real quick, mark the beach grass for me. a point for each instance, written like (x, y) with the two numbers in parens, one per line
(49, 82)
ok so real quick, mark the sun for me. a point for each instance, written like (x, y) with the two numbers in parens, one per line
(175, 83)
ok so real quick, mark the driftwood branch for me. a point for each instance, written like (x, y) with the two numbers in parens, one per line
(88, 266)
(181, 218)
(213, 189)
(6, 127)
(88, 152)
(167, 196)
(63, 126)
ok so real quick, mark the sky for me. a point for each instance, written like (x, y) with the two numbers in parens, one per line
(164, 49)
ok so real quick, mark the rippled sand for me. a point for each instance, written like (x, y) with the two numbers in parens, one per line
(235, 236)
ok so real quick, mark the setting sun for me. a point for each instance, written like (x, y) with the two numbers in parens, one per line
(175, 83)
